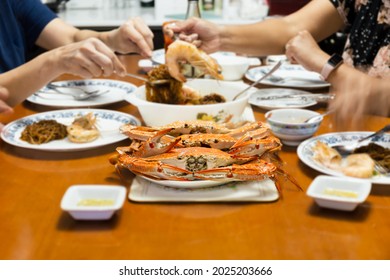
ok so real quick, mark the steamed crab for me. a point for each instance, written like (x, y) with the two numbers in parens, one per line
(201, 150)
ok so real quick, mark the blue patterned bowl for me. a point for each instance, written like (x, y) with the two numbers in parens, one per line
(289, 125)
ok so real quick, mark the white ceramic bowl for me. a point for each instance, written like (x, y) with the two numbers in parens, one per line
(289, 126)
(158, 114)
(234, 67)
(93, 202)
(341, 193)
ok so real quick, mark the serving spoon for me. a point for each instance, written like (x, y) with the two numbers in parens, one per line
(153, 83)
(346, 149)
(273, 69)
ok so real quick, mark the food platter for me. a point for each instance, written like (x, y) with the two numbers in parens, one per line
(288, 75)
(305, 152)
(142, 190)
(116, 91)
(108, 123)
(277, 98)
(196, 184)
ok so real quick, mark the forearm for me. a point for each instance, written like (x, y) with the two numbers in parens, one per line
(21, 82)
(262, 38)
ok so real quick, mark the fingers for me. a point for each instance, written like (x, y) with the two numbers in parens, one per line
(4, 107)
(139, 33)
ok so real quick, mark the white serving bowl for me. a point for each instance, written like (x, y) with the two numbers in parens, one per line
(341, 193)
(289, 125)
(158, 114)
(93, 194)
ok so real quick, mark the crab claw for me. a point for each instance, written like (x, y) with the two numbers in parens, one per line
(260, 133)
(251, 171)
(154, 146)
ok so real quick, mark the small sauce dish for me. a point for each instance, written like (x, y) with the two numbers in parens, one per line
(93, 202)
(289, 124)
(341, 193)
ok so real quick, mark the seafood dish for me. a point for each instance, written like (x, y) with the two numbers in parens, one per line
(173, 91)
(359, 165)
(83, 129)
(202, 150)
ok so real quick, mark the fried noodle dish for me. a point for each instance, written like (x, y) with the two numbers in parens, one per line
(43, 131)
(174, 92)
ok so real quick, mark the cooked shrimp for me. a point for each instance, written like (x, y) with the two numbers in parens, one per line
(358, 165)
(182, 51)
(83, 129)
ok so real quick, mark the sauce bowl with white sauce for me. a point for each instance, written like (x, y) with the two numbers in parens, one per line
(93, 202)
(341, 193)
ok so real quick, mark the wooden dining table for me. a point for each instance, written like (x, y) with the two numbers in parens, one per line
(33, 226)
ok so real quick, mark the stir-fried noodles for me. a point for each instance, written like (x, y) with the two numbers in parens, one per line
(43, 132)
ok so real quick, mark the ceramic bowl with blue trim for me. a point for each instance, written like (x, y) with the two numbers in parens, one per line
(289, 124)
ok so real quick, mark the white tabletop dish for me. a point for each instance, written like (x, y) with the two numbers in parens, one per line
(305, 151)
(116, 92)
(173, 112)
(290, 75)
(272, 59)
(257, 191)
(289, 124)
(196, 184)
(93, 202)
(341, 193)
(277, 98)
(108, 123)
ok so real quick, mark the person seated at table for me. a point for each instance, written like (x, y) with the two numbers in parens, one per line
(361, 82)
(85, 53)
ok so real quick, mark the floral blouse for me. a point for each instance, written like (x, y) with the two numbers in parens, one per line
(368, 28)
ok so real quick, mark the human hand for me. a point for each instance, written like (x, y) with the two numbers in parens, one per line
(304, 50)
(4, 107)
(88, 58)
(132, 36)
(358, 94)
(201, 33)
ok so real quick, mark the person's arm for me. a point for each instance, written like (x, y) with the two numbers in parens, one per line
(87, 59)
(133, 36)
(266, 37)
(356, 92)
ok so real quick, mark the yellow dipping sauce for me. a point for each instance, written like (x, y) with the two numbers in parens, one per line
(95, 202)
(340, 193)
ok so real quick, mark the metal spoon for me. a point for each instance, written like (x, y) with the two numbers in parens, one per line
(315, 118)
(273, 69)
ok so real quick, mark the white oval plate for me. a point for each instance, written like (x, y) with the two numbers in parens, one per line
(305, 151)
(197, 184)
(108, 123)
(270, 99)
(303, 78)
(118, 90)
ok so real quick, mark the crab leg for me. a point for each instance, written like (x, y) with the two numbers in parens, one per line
(154, 169)
(257, 147)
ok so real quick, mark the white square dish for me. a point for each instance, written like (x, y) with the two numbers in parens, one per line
(341, 193)
(93, 202)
